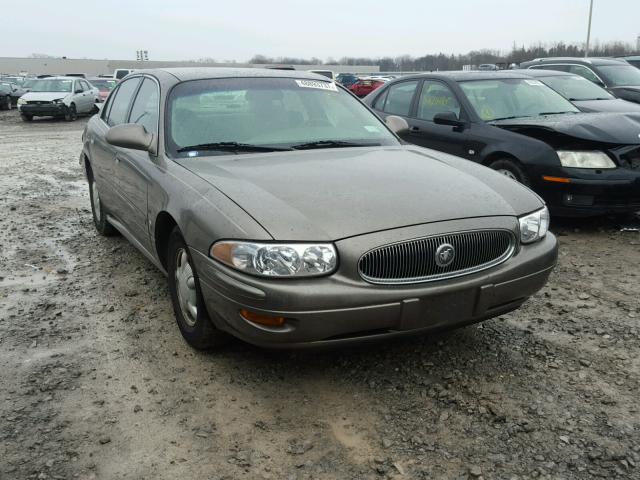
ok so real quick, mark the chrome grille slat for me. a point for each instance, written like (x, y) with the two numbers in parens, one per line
(413, 261)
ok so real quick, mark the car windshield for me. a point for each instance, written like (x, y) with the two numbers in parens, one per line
(575, 87)
(502, 98)
(267, 112)
(105, 84)
(5, 87)
(620, 75)
(47, 85)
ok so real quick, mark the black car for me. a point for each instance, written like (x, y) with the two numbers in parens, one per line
(582, 164)
(9, 95)
(585, 95)
(616, 75)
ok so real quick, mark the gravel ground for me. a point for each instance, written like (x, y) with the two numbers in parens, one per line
(96, 382)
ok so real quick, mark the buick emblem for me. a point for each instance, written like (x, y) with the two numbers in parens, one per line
(445, 255)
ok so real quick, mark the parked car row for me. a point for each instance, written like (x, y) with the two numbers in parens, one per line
(58, 96)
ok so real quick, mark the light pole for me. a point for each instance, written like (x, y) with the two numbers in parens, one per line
(586, 50)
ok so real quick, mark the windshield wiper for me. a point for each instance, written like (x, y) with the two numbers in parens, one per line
(331, 144)
(556, 113)
(232, 146)
(587, 99)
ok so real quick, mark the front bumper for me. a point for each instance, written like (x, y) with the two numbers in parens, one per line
(343, 308)
(589, 192)
(43, 110)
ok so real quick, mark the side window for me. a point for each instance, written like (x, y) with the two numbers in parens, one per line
(120, 104)
(85, 85)
(379, 105)
(145, 107)
(584, 72)
(399, 98)
(436, 98)
(77, 86)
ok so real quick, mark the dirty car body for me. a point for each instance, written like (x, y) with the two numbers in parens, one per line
(286, 214)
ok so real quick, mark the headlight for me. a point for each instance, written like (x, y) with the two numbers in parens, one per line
(534, 226)
(22, 101)
(585, 159)
(57, 100)
(277, 259)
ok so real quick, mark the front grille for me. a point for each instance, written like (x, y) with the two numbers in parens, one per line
(414, 261)
(38, 102)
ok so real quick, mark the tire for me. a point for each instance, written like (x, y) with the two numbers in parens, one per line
(188, 305)
(26, 117)
(511, 169)
(98, 211)
(71, 113)
(8, 105)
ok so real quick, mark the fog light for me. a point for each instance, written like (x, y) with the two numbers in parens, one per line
(262, 319)
(578, 200)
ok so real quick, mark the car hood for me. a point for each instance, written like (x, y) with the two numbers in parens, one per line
(615, 105)
(612, 128)
(44, 96)
(631, 93)
(332, 194)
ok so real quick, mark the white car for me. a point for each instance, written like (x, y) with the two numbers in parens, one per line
(65, 97)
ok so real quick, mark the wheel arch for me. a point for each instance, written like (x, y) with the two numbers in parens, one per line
(499, 155)
(164, 225)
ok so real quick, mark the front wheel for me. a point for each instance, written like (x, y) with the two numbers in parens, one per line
(188, 304)
(8, 104)
(71, 114)
(511, 169)
(26, 117)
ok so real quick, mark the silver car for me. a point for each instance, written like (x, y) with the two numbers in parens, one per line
(65, 97)
(285, 213)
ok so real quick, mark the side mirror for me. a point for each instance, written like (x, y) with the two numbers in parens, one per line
(447, 118)
(398, 125)
(79, 90)
(131, 135)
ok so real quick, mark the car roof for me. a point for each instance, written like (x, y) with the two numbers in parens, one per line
(202, 73)
(580, 60)
(462, 75)
(60, 77)
(539, 72)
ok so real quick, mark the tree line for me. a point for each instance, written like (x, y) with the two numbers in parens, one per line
(442, 61)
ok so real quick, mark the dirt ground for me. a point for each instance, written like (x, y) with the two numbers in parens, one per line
(97, 383)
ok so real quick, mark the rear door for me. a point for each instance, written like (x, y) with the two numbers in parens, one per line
(437, 97)
(103, 154)
(133, 166)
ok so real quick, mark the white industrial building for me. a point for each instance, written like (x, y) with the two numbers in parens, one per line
(62, 66)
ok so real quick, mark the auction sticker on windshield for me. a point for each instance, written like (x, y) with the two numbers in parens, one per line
(315, 84)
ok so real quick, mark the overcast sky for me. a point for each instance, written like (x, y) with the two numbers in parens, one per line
(225, 30)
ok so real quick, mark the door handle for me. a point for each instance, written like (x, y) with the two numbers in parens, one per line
(117, 160)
